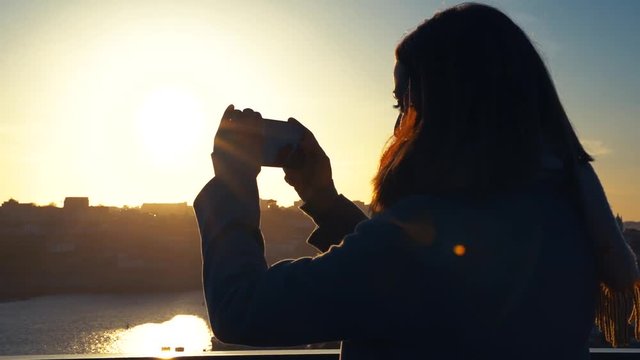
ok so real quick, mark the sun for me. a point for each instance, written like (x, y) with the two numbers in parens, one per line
(168, 120)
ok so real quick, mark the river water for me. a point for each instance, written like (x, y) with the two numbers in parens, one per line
(84, 324)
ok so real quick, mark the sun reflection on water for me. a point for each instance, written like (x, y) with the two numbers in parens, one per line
(182, 334)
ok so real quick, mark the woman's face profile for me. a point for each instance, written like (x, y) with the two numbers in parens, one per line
(400, 90)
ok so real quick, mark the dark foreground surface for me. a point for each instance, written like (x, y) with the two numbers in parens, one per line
(596, 354)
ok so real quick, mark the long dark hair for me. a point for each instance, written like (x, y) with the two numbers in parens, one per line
(481, 108)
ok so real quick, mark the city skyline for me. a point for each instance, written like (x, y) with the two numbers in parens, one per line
(119, 102)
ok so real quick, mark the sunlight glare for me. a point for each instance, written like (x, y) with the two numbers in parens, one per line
(187, 331)
(168, 121)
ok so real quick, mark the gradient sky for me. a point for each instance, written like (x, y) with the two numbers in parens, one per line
(119, 100)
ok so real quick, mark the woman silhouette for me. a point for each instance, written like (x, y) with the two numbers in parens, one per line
(490, 235)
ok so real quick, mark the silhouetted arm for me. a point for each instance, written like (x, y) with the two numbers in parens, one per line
(335, 217)
(326, 298)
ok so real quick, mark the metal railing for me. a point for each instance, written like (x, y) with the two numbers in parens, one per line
(331, 354)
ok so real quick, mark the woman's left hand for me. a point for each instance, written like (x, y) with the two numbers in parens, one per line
(237, 146)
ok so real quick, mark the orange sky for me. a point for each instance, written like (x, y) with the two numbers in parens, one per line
(120, 102)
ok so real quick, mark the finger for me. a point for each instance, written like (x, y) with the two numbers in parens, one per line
(227, 116)
(310, 145)
(290, 172)
(230, 119)
(297, 123)
(250, 115)
(228, 112)
(250, 121)
(293, 120)
(235, 115)
(293, 178)
(308, 140)
(287, 178)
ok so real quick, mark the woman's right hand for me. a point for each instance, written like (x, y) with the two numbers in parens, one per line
(313, 180)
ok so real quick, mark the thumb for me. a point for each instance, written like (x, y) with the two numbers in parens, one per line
(298, 124)
(308, 141)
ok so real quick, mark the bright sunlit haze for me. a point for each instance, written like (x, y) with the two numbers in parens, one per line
(119, 101)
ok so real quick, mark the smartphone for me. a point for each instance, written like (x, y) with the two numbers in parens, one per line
(281, 140)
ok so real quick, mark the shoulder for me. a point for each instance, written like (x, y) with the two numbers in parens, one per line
(412, 221)
(444, 223)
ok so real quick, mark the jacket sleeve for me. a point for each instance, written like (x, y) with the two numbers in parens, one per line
(308, 300)
(333, 223)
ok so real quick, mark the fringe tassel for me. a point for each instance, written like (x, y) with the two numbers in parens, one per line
(615, 311)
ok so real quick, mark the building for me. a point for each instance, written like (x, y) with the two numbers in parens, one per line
(163, 209)
(76, 203)
(268, 204)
